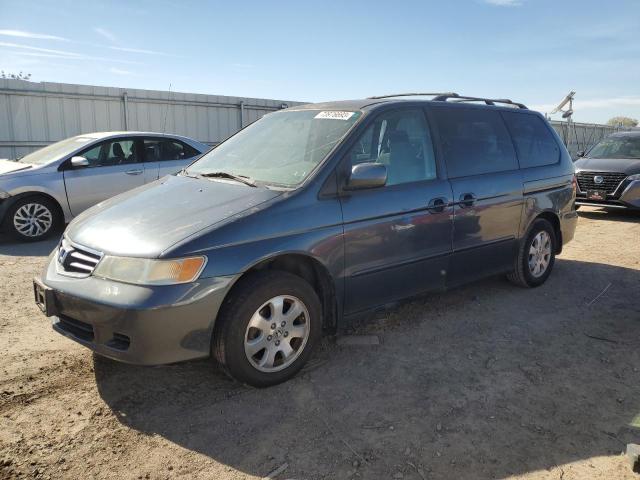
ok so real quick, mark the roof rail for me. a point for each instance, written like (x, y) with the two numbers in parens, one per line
(489, 101)
(410, 95)
(443, 97)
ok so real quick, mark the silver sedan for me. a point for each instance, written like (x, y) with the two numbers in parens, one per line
(54, 184)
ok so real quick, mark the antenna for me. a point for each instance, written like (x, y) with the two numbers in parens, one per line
(166, 110)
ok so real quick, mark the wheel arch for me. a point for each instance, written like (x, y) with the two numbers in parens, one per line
(553, 218)
(311, 270)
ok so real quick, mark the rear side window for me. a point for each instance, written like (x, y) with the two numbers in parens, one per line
(161, 149)
(474, 141)
(534, 143)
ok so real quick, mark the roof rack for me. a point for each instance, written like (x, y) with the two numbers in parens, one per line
(443, 97)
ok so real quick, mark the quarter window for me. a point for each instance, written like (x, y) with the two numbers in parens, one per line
(401, 141)
(533, 140)
(474, 141)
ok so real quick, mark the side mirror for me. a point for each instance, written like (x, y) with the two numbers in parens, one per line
(581, 153)
(367, 175)
(79, 162)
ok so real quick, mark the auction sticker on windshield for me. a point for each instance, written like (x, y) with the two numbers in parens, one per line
(333, 115)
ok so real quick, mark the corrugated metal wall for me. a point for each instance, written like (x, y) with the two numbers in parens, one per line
(33, 115)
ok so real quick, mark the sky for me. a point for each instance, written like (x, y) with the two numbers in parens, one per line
(532, 51)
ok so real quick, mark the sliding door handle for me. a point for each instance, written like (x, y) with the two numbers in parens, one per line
(437, 205)
(134, 172)
(467, 200)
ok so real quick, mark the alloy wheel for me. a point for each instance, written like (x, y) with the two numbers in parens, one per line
(277, 333)
(32, 220)
(540, 254)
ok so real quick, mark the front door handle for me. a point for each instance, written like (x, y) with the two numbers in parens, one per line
(436, 205)
(134, 172)
(467, 200)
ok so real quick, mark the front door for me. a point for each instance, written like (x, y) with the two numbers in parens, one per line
(397, 237)
(487, 190)
(114, 167)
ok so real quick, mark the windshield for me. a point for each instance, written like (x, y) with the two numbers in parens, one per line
(616, 147)
(281, 148)
(55, 150)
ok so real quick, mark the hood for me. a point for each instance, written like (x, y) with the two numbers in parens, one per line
(7, 166)
(146, 221)
(619, 165)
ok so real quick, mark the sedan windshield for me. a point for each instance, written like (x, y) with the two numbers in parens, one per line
(616, 147)
(55, 151)
(280, 149)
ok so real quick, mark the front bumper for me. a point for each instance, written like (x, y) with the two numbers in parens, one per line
(132, 323)
(628, 198)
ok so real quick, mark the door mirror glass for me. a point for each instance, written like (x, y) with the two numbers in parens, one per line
(79, 162)
(367, 175)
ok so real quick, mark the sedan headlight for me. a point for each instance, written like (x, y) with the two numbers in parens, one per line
(634, 177)
(144, 271)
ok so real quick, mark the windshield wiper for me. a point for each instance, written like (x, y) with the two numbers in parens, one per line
(237, 178)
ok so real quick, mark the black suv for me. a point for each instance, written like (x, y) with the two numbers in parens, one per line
(609, 174)
(305, 219)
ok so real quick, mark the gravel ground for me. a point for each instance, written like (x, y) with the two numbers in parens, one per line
(487, 381)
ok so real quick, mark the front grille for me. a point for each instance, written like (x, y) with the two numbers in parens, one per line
(78, 329)
(609, 184)
(75, 260)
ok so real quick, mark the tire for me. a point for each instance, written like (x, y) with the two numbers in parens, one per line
(43, 213)
(245, 326)
(542, 233)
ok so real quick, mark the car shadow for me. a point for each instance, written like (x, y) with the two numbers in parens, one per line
(11, 247)
(486, 381)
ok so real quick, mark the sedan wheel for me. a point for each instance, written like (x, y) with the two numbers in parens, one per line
(33, 218)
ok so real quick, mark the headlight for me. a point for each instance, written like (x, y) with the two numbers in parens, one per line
(4, 195)
(143, 271)
(634, 177)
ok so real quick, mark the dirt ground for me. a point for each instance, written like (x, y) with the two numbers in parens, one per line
(487, 381)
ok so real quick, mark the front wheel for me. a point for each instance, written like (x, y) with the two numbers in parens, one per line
(33, 218)
(536, 255)
(267, 328)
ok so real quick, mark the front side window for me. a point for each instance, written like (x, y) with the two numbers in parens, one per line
(111, 152)
(281, 148)
(533, 140)
(617, 147)
(401, 141)
(474, 141)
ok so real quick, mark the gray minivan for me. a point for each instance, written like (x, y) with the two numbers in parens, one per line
(305, 219)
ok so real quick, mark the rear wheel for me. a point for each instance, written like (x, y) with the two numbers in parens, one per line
(536, 255)
(33, 218)
(267, 329)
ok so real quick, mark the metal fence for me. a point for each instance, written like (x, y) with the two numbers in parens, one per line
(33, 115)
(580, 136)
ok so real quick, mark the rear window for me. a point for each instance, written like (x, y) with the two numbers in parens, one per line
(534, 143)
(474, 141)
